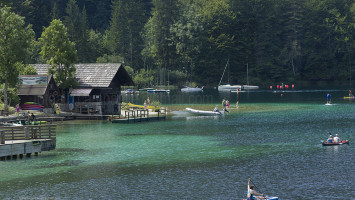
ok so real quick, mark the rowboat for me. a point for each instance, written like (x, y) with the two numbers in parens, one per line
(335, 143)
(204, 112)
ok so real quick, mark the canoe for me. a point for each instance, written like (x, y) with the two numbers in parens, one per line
(31, 103)
(37, 122)
(203, 112)
(33, 106)
(335, 143)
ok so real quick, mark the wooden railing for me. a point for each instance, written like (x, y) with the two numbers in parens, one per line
(28, 132)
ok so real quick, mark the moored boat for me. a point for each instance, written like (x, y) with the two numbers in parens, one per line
(335, 143)
(250, 87)
(229, 87)
(145, 89)
(130, 91)
(191, 89)
(204, 112)
(158, 91)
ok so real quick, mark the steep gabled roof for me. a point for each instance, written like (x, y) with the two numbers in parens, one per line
(95, 75)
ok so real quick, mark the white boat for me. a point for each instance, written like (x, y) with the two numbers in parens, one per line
(157, 90)
(192, 89)
(129, 91)
(229, 87)
(204, 112)
(145, 89)
(250, 87)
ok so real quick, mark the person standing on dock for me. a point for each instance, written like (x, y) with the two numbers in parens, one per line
(145, 105)
(33, 117)
(328, 98)
(17, 109)
(148, 101)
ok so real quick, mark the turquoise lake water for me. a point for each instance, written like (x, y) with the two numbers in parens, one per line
(274, 139)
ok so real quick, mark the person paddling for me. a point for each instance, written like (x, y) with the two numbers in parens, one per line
(252, 193)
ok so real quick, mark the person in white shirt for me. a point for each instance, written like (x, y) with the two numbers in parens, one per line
(336, 138)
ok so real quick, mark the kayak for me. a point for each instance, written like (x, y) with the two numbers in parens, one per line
(335, 143)
(139, 106)
(37, 122)
(349, 97)
(269, 198)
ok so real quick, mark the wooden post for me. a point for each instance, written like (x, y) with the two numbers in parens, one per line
(49, 131)
(2, 137)
(40, 131)
(12, 134)
(27, 133)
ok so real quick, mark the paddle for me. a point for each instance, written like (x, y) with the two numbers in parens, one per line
(255, 186)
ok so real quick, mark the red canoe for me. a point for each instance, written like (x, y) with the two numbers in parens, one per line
(335, 143)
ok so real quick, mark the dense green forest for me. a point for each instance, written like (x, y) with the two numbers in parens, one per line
(191, 40)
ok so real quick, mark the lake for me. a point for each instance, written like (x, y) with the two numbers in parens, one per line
(272, 138)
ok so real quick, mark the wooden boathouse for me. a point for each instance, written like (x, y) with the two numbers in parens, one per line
(17, 141)
(98, 91)
(37, 88)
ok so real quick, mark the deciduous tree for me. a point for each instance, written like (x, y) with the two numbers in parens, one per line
(15, 39)
(60, 53)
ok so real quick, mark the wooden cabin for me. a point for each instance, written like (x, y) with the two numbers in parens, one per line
(40, 89)
(98, 90)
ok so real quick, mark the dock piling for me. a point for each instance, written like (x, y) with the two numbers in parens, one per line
(2, 137)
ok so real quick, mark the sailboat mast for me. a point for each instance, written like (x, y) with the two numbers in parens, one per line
(223, 72)
(247, 74)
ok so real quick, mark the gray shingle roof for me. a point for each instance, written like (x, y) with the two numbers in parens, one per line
(94, 75)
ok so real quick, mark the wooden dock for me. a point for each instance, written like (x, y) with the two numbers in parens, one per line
(26, 140)
(134, 116)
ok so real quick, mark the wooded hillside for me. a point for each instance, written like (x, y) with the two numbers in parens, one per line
(191, 40)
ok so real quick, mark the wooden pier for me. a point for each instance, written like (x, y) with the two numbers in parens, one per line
(134, 116)
(26, 140)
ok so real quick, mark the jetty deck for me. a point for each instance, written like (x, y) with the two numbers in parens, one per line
(26, 140)
(133, 116)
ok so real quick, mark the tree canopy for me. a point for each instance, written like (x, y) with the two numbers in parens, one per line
(15, 38)
(280, 40)
(60, 53)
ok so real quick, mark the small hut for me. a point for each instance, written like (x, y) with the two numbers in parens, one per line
(98, 90)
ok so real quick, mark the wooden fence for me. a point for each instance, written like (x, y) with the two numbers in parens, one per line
(28, 132)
